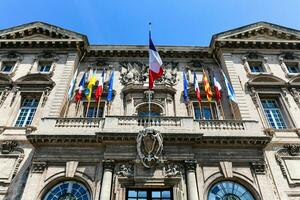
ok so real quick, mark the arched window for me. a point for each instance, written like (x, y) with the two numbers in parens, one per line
(143, 110)
(68, 190)
(228, 190)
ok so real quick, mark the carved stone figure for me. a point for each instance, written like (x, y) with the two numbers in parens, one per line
(125, 170)
(172, 169)
(149, 146)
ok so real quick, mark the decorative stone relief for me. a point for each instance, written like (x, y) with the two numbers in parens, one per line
(38, 167)
(173, 170)
(149, 146)
(71, 167)
(254, 97)
(137, 73)
(296, 96)
(258, 167)
(45, 95)
(4, 95)
(284, 92)
(15, 91)
(246, 65)
(288, 159)
(8, 147)
(125, 170)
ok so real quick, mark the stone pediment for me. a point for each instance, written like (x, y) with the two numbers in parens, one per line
(259, 32)
(266, 80)
(40, 31)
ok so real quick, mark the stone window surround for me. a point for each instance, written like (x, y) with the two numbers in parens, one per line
(284, 68)
(215, 112)
(82, 106)
(7, 58)
(256, 95)
(44, 57)
(263, 60)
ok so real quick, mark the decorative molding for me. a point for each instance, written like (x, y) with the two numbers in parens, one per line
(269, 131)
(254, 96)
(173, 170)
(190, 165)
(46, 93)
(30, 129)
(4, 95)
(149, 146)
(108, 165)
(226, 168)
(284, 93)
(8, 147)
(258, 167)
(15, 91)
(125, 170)
(38, 167)
(71, 167)
(288, 158)
(296, 96)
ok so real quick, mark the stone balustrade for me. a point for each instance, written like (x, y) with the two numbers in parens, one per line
(144, 121)
(222, 124)
(78, 122)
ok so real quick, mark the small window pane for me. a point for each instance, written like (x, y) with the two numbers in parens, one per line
(132, 193)
(256, 67)
(45, 66)
(273, 113)
(292, 67)
(7, 66)
(142, 194)
(156, 194)
(27, 111)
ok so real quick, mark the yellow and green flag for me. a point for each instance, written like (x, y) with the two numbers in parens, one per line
(89, 89)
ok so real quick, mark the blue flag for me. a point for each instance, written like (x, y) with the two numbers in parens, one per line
(111, 86)
(185, 89)
(229, 88)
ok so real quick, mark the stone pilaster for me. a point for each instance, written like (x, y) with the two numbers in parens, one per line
(108, 167)
(190, 167)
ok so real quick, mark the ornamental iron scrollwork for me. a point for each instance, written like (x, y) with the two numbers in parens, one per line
(149, 146)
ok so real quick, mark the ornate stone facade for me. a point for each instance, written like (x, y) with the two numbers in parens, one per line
(114, 150)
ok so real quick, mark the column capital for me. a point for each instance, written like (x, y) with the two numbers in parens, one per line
(108, 164)
(190, 165)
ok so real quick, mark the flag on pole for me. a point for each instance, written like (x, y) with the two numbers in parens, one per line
(111, 87)
(229, 88)
(185, 89)
(155, 64)
(81, 88)
(72, 84)
(89, 89)
(99, 89)
(196, 87)
(207, 87)
(217, 88)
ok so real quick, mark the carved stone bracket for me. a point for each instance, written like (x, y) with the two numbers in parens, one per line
(288, 158)
(296, 96)
(149, 146)
(45, 95)
(190, 165)
(285, 96)
(173, 170)
(125, 170)
(4, 95)
(38, 167)
(258, 167)
(269, 131)
(30, 129)
(8, 147)
(254, 97)
(15, 91)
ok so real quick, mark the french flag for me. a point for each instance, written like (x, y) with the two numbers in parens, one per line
(99, 89)
(155, 64)
(196, 87)
(81, 88)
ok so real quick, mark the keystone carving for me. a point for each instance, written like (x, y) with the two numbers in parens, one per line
(149, 146)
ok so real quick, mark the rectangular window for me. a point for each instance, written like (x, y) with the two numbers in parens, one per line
(149, 194)
(7, 66)
(91, 111)
(208, 111)
(27, 111)
(256, 66)
(273, 113)
(292, 67)
(44, 66)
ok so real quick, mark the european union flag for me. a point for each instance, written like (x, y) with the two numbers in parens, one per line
(111, 86)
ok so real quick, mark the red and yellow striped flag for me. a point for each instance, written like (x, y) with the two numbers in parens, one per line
(207, 88)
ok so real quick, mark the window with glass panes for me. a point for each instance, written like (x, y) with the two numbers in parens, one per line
(292, 67)
(93, 110)
(44, 66)
(207, 112)
(149, 194)
(273, 113)
(26, 111)
(7, 66)
(256, 66)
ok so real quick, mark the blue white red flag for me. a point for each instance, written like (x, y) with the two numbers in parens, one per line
(230, 90)
(155, 64)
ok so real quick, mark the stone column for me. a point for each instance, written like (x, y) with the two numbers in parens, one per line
(190, 166)
(108, 167)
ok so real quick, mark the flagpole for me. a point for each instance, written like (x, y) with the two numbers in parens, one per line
(149, 92)
(200, 108)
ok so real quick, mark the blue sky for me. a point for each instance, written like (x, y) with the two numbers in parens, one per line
(174, 22)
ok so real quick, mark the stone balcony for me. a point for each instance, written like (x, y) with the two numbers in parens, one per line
(132, 124)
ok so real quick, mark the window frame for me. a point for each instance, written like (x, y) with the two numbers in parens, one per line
(286, 116)
(213, 109)
(149, 191)
(14, 65)
(284, 66)
(264, 64)
(94, 104)
(51, 62)
(23, 97)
